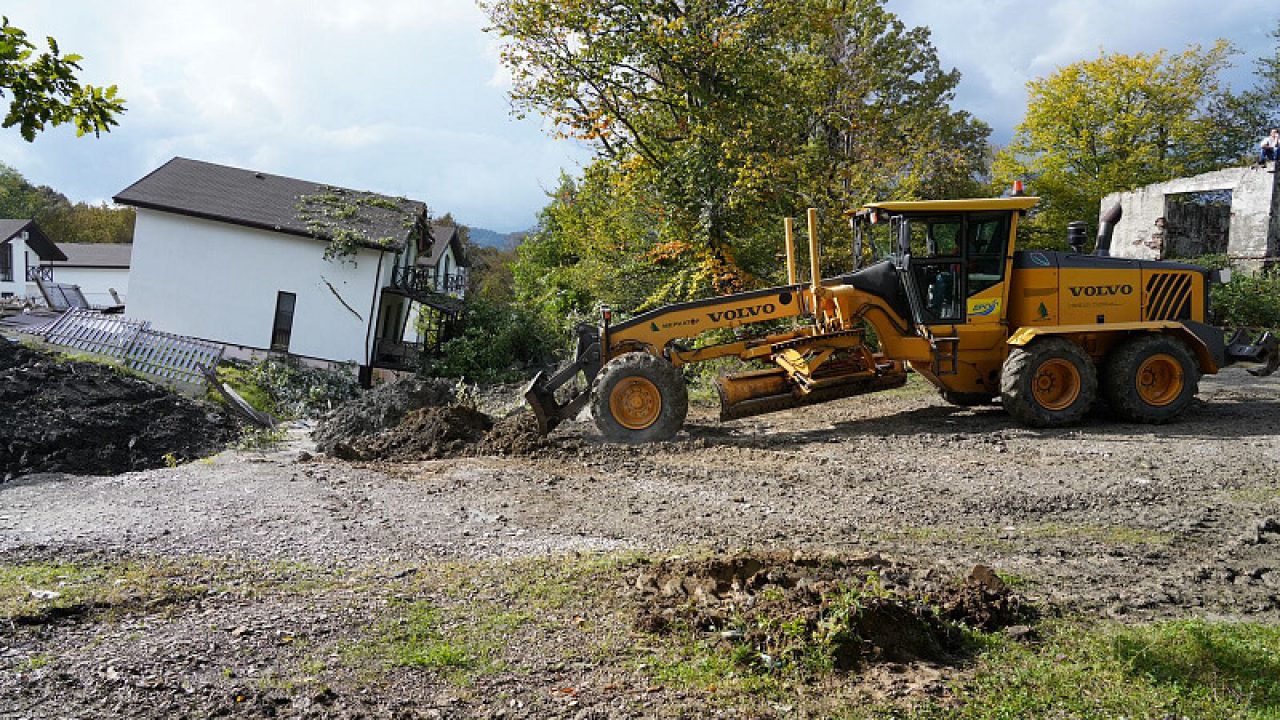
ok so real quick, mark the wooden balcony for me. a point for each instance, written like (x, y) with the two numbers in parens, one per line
(417, 279)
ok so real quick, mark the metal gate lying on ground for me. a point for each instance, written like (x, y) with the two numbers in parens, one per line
(167, 357)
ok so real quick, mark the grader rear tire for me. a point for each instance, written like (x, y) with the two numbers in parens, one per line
(1050, 383)
(1150, 379)
(639, 398)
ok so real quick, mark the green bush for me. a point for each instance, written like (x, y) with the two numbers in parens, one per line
(287, 389)
(1248, 301)
(497, 343)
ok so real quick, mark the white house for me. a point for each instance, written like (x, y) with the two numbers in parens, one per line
(263, 263)
(25, 253)
(100, 269)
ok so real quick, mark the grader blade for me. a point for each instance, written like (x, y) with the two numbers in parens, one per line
(541, 392)
(765, 391)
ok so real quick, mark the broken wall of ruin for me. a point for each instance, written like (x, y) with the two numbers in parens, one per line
(1252, 232)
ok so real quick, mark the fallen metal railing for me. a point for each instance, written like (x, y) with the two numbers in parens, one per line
(164, 356)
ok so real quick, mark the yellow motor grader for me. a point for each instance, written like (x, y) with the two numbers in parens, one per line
(1046, 332)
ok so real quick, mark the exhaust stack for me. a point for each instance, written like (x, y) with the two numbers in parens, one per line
(1107, 228)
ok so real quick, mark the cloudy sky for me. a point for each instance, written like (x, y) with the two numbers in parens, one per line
(406, 96)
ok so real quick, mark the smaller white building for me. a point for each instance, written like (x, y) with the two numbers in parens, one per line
(100, 269)
(443, 271)
(25, 254)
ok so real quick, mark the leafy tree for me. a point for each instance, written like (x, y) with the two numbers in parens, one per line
(1117, 122)
(1267, 94)
(21, 199)
(84, 223)
(58, 217)
(712, 119)
(43, 89)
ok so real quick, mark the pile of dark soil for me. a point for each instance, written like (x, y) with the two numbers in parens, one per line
(513, 435)
(420, 420)
(426, 433)
(377, 410)
(792, 610)
(89, 419)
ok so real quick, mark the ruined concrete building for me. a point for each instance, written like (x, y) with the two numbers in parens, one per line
(1235, 212)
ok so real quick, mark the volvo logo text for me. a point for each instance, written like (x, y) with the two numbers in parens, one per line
(740, 313)
(1101, 290)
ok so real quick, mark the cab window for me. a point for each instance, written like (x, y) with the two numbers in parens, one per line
(935, 265)
(985, 256)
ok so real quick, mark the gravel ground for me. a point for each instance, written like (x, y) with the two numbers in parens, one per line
(1116, 520)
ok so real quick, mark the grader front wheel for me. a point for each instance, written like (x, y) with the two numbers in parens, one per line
(639, 398)
(1050, 383)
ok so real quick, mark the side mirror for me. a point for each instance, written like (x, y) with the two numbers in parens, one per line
(1222, 276)
(904, 238)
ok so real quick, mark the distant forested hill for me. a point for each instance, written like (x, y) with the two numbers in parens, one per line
(489, 238)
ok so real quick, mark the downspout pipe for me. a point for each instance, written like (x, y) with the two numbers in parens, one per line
(367, 373)
(1107, 228)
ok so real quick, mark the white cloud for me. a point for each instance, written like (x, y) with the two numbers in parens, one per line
(408, 96)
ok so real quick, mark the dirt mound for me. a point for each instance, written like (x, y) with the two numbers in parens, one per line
(513, 435)
(89, 419)
(377, 410)
(782, 610)
(427, 433)
(417, 419)
(984, 601)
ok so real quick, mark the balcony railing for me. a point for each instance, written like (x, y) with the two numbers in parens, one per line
(397, 355)
(417, 278)
(40, 272)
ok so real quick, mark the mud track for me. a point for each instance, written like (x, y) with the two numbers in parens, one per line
(1111, 519)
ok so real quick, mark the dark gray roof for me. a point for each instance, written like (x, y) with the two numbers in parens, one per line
(444, 235)
(36, 239)
(273, 202)
(96, 255)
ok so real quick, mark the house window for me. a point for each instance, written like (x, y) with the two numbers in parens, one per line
(283, 327)
(6, 262)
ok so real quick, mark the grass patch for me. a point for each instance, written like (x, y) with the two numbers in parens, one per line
(1189, 668)
(460, 642)
(240, 378)
(38, 591)
(34, 592)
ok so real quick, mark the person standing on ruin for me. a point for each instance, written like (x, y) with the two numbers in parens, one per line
(1270, 147)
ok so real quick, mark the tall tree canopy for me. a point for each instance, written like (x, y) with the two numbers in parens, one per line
(43, 90)
(712, 119)
(1120, 121)
(61, 220)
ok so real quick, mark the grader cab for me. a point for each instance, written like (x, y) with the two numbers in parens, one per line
(1048, 333)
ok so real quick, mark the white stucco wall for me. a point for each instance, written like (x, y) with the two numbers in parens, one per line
(219, 282)
(19, 287)
(95, 282)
